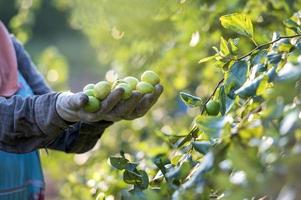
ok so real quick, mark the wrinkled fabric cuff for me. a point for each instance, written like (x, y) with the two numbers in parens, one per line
(88, 135)
(46, 115)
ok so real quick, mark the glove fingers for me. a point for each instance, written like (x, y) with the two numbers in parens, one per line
(124, 108)
(77, 101)
(110, 102)
(147, 102)
(106, 105)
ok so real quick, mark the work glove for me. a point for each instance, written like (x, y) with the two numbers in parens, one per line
(70, 106)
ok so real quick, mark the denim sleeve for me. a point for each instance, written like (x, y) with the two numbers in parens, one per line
(79, 138)
(76, 138)
(29, 123)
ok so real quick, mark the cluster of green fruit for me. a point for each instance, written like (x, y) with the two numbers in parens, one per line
(99, 91)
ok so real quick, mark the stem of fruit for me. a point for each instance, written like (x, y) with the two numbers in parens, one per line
(213, 93)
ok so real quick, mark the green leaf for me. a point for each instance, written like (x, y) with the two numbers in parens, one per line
(158, 162)
(207, 59)
(131, 166)
(274, 58)
(210, 125)
(197, 179)
(191, 100)
(289, 72)
(225, 102)
(132, 177)
(145, 181)
(236, 77)
(290, 23)
(179, 172)
(118, 162)
(239, 23)
(250, 88)
(224, 47)
(201, 146)
(259, 57)
(232, 45)
(285, 46)
(176, 159)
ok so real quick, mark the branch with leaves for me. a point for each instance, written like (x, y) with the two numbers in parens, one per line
(251, 100)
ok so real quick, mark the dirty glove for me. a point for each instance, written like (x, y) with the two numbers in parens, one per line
(145, 103)
(70, 106)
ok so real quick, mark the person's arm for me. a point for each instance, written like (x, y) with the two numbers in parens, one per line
(29, 123)
(83, 136)
(77, 138)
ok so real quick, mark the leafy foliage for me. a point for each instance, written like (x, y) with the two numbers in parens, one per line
(250, 150)
(250, 83)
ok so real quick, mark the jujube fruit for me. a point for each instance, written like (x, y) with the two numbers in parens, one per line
(127, 90)
(150, 77)
(132, 81)
(102, 89)
(89, 86)
(89, 92)
(93, 105)
(117, 82)
(212, 107)
(144, 87)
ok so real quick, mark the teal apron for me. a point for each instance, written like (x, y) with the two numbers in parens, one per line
(21, 176)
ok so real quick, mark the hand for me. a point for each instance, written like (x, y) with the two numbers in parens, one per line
(113, 108)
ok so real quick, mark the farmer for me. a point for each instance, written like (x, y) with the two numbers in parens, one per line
(32, 116)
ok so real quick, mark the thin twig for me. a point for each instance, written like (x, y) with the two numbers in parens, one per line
(255, 43)
(267, 44)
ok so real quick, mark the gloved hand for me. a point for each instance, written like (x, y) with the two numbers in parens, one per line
(70, 106)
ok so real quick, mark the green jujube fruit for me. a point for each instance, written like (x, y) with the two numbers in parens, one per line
(150, 77)
(144, 87)
(127, 90)
(102, 89)
(89, 92)
(89, 87)
(212, 107)
(132, 81)
(93, 105)
(117, 82)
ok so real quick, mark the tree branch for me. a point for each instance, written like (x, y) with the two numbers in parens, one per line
(242, 57)
(267, 44)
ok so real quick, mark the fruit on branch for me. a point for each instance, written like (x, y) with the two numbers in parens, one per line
(212, 107)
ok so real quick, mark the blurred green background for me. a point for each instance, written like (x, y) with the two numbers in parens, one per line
(76, 42)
